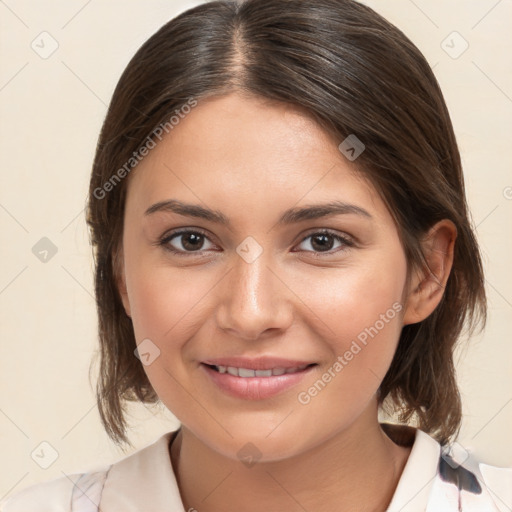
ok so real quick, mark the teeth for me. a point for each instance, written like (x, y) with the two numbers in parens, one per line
(292, 370)
(244, 372)
(247, 372)
(263, 373)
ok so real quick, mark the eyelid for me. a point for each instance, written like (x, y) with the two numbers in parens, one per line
(349, 239)
(180, 231)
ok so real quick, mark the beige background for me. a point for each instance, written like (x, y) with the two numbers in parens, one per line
(51, 113)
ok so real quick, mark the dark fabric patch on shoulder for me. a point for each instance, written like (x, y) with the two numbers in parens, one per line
(463, 479)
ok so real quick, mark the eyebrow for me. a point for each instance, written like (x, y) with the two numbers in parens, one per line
(291, 216)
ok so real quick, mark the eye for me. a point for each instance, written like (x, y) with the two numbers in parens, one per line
(194, 241)
(324, 241)
(185, 241)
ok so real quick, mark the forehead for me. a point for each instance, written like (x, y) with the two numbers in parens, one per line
(247, 130)
(238, 151)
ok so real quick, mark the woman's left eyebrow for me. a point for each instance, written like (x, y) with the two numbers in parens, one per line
(290, 216)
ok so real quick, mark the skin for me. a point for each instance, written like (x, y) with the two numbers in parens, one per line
(251, 160)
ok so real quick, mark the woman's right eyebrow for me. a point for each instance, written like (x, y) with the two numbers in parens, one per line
(290, 216)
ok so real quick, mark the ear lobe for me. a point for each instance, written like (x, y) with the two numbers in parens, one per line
(120, 279)
(427, 286)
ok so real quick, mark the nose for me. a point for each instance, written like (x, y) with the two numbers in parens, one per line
(255, 302)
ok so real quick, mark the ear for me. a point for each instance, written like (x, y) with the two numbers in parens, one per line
(120, 279)
(427, 285)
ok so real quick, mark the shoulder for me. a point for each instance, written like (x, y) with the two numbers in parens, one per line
(498, 478)
(80, 492)
(499, 483)
(447, 479)
(463, 479)
(143, 480)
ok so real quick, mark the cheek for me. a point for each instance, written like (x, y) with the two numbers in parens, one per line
(166, 306)
(164, 303)
(363, 311)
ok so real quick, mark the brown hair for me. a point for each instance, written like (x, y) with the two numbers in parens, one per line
(354, 73)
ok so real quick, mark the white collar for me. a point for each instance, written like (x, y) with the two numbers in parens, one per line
(145, 480)
(418, 475)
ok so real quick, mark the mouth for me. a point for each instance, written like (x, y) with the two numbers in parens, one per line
(256, 379)
(251, 373)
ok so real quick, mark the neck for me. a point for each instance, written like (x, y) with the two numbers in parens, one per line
(335, 475)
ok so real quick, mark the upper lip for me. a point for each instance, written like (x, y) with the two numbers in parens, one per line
(256, 363)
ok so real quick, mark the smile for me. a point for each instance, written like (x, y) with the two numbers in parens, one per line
(247, 372)
(255, 383)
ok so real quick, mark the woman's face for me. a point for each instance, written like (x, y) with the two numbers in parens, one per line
(259, 278)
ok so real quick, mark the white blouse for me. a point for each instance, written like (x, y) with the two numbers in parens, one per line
(145, 482)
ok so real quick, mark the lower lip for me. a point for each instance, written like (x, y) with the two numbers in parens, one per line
(255, 388)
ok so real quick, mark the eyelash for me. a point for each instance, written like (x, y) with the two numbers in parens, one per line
(164, 241)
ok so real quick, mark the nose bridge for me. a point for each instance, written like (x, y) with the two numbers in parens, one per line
(255, 300)
(252, 284)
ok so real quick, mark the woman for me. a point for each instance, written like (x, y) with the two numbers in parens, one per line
(283, 251)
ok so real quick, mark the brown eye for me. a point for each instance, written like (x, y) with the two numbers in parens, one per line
(192, 241)
(185, 242)
(324, 241)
